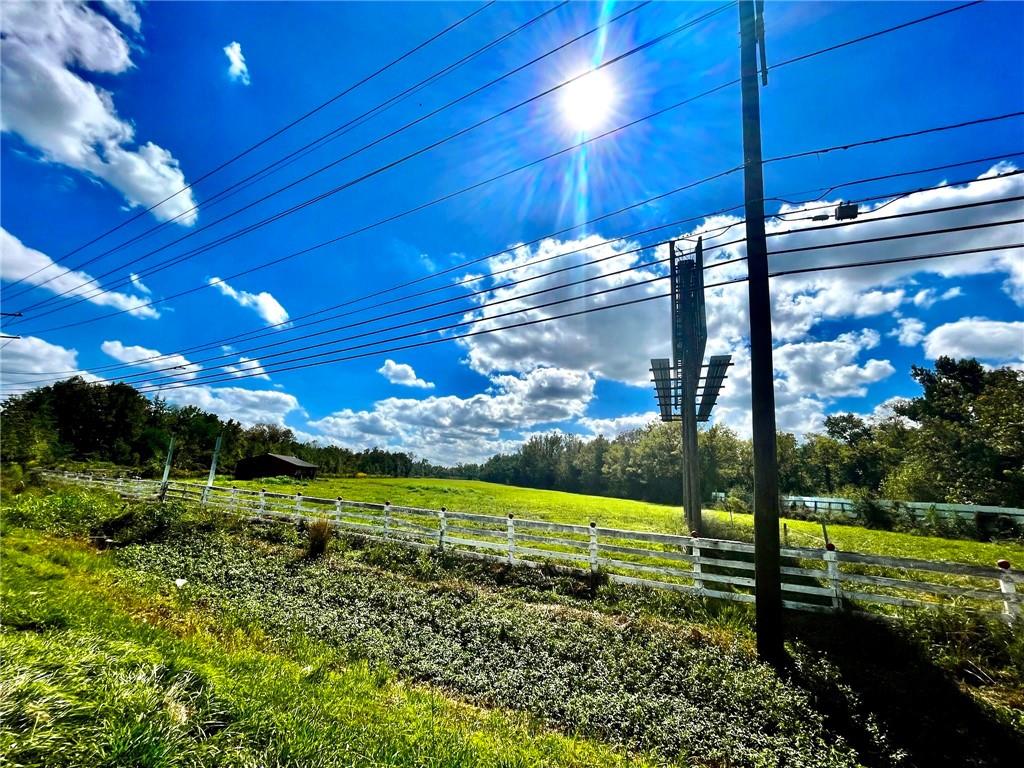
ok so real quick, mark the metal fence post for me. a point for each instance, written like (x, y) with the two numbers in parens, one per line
(337, 507)
(263, 500)
(298, 506)
(1007, 585)
(698, 582)
(387, 519)
(442, 527)
(832, 567)
(511, 533)
(233, 504)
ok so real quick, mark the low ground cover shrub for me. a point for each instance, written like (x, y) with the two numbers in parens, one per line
(636, 682)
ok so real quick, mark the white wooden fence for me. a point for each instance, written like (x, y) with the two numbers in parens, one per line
(814, 579)
(845, 508)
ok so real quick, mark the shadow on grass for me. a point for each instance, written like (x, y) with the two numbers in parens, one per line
(921, 707)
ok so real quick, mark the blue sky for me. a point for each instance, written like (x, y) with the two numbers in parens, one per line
(109, 108)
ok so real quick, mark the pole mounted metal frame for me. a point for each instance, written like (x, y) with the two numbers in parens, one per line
(677, 381)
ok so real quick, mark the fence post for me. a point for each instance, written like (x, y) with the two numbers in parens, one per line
(1007, 585)
(233, 503)
(592, 551)
(387, 519)
(511, 532)
(442, 527)
(263, 500)
(298, 506)
(337, 507)
(832, 567)
(698, 582)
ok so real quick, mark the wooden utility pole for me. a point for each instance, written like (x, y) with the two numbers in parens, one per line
(768, 585)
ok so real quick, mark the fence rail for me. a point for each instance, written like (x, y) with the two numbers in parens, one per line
(917, 509)
(814, 579)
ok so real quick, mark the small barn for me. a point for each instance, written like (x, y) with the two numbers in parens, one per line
(272, 465)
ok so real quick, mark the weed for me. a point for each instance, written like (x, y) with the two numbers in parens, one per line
(318, 537)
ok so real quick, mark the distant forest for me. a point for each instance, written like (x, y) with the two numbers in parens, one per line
(961, 440)
(75, 421)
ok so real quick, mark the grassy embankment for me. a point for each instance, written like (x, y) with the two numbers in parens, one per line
(269, 657)
(495, 499)
(100, 670)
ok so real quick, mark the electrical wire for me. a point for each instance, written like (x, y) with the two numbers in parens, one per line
(828, 268)
(292, 325)
(259, 364)
(277, 165)
(724, 85)
(271, 136)
(380, 169)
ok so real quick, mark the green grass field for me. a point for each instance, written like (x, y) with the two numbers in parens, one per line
(495, 499)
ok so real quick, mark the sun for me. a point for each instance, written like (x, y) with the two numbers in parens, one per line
(586, 103)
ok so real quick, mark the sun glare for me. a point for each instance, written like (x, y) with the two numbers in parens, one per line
(586, 103)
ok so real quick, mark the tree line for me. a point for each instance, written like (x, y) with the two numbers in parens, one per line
(75, 421)
(960, 440)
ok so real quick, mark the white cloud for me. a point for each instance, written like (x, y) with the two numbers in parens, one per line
(246, 406)
(614, 344)
(612, 427)
(449, 429)
(34, 359)
(402, 373)
(125, 11)
(18, 261)
(908, 331)
(237, 68)
(617, 344)
(247, 366)
(139, 285)
(993, 341)
(929, 296)
(827, 369)
(48, 49)
(265, 305)
(141, 357)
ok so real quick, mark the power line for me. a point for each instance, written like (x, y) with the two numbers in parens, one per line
(351, 233)
(706, 93)
(381, 169)
(258, 365)
(594, 262)
(851, 265)
(262, 332)
(631, 268)
(320, 140)
(907, 135)
(782, 273)
(270, 137)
